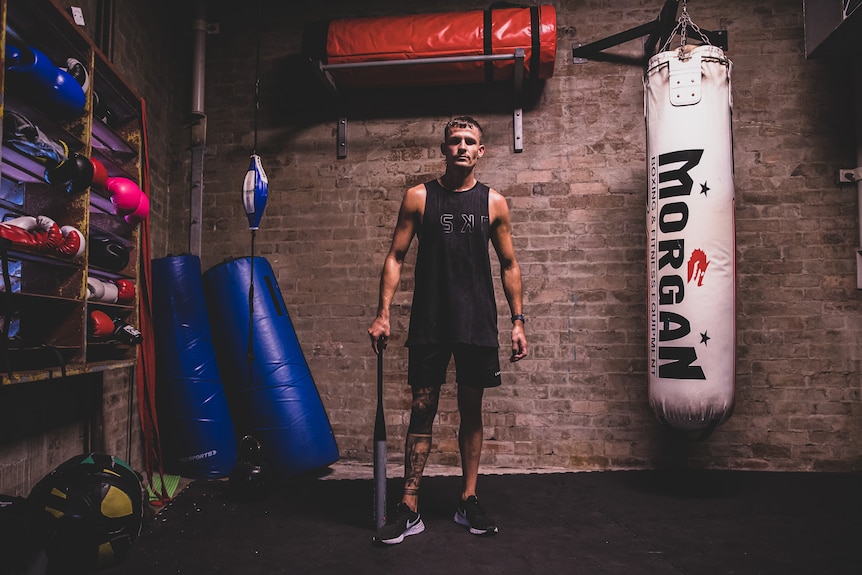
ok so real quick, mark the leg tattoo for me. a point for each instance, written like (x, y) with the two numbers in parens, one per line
(418, 447)
(418, 443)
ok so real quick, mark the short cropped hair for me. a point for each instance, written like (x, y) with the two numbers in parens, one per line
(461, 122)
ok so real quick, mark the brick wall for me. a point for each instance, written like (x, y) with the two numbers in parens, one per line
(41, 425)
(577, 194)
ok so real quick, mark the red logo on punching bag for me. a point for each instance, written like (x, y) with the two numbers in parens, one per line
(697, 264)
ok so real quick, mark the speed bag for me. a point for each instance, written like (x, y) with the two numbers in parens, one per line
(438, 35)
(196, 427)
(268, 379)
(691, 238)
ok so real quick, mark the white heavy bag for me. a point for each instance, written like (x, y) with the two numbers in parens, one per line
(691, 238)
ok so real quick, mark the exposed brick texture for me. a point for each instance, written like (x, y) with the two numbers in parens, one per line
(577, 195)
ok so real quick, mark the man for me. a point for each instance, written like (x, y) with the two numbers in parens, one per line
(454, 314)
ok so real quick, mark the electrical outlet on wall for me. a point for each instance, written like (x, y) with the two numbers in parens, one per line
(77, 15)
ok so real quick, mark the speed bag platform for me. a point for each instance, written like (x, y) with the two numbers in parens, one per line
(691, 239)
(197, 432)
(274, 395)
(436, 35)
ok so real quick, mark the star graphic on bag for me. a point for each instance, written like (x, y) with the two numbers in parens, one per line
(704, 188)
(704, 338)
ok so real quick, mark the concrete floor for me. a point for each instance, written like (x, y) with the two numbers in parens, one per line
(615, 523)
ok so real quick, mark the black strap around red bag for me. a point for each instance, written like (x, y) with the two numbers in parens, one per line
(535, 38)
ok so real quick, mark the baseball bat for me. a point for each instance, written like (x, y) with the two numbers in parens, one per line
(380, 447)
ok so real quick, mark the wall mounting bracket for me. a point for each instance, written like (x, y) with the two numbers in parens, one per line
(322, 71)
(850, 176)
(854, 176)
(656, 34)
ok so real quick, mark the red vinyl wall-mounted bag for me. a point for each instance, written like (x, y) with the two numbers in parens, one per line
(441, 35)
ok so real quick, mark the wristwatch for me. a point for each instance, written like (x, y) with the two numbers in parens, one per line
(519, 316)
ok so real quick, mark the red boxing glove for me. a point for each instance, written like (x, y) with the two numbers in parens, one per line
(100, 173)
(125, 291)
(41, 233)
(100, 326)
(73, 244)
(16, 231)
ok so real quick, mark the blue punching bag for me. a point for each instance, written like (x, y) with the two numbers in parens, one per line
(275, 395)
(197, 431)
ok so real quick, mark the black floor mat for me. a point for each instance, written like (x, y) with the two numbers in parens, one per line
(587, 523)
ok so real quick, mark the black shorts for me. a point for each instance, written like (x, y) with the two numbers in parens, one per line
(475, 366)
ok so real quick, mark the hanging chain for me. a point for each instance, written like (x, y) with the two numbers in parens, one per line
(683, 24)
(681, 28)
(256, 77)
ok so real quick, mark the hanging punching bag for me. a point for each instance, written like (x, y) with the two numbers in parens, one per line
(691, 238)
(274, 394)
(255, 189)
(198, 438)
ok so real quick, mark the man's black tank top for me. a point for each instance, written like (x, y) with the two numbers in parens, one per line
(453, 299)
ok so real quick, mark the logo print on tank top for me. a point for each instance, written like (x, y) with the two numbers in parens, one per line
(468, 223)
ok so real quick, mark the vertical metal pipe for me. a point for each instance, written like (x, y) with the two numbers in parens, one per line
(105, 27)
(858, 99)
(199, 52)
(198, 127)
(197, 192)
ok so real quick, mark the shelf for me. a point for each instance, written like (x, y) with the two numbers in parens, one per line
(43, 25)
(104, 222)
(44, 316)
(109, 351)
(20, 168)
(33, 275)
(107, 140)
(71, 369)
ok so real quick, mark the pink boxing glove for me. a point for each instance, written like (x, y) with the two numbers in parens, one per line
(125, 195)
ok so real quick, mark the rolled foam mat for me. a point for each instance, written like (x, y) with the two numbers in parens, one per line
(274, 393)
(197, 431)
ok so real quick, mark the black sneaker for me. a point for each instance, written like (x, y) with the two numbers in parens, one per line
(402, 523)
(470, 514)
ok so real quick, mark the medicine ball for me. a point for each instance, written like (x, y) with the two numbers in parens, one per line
(91, 511)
